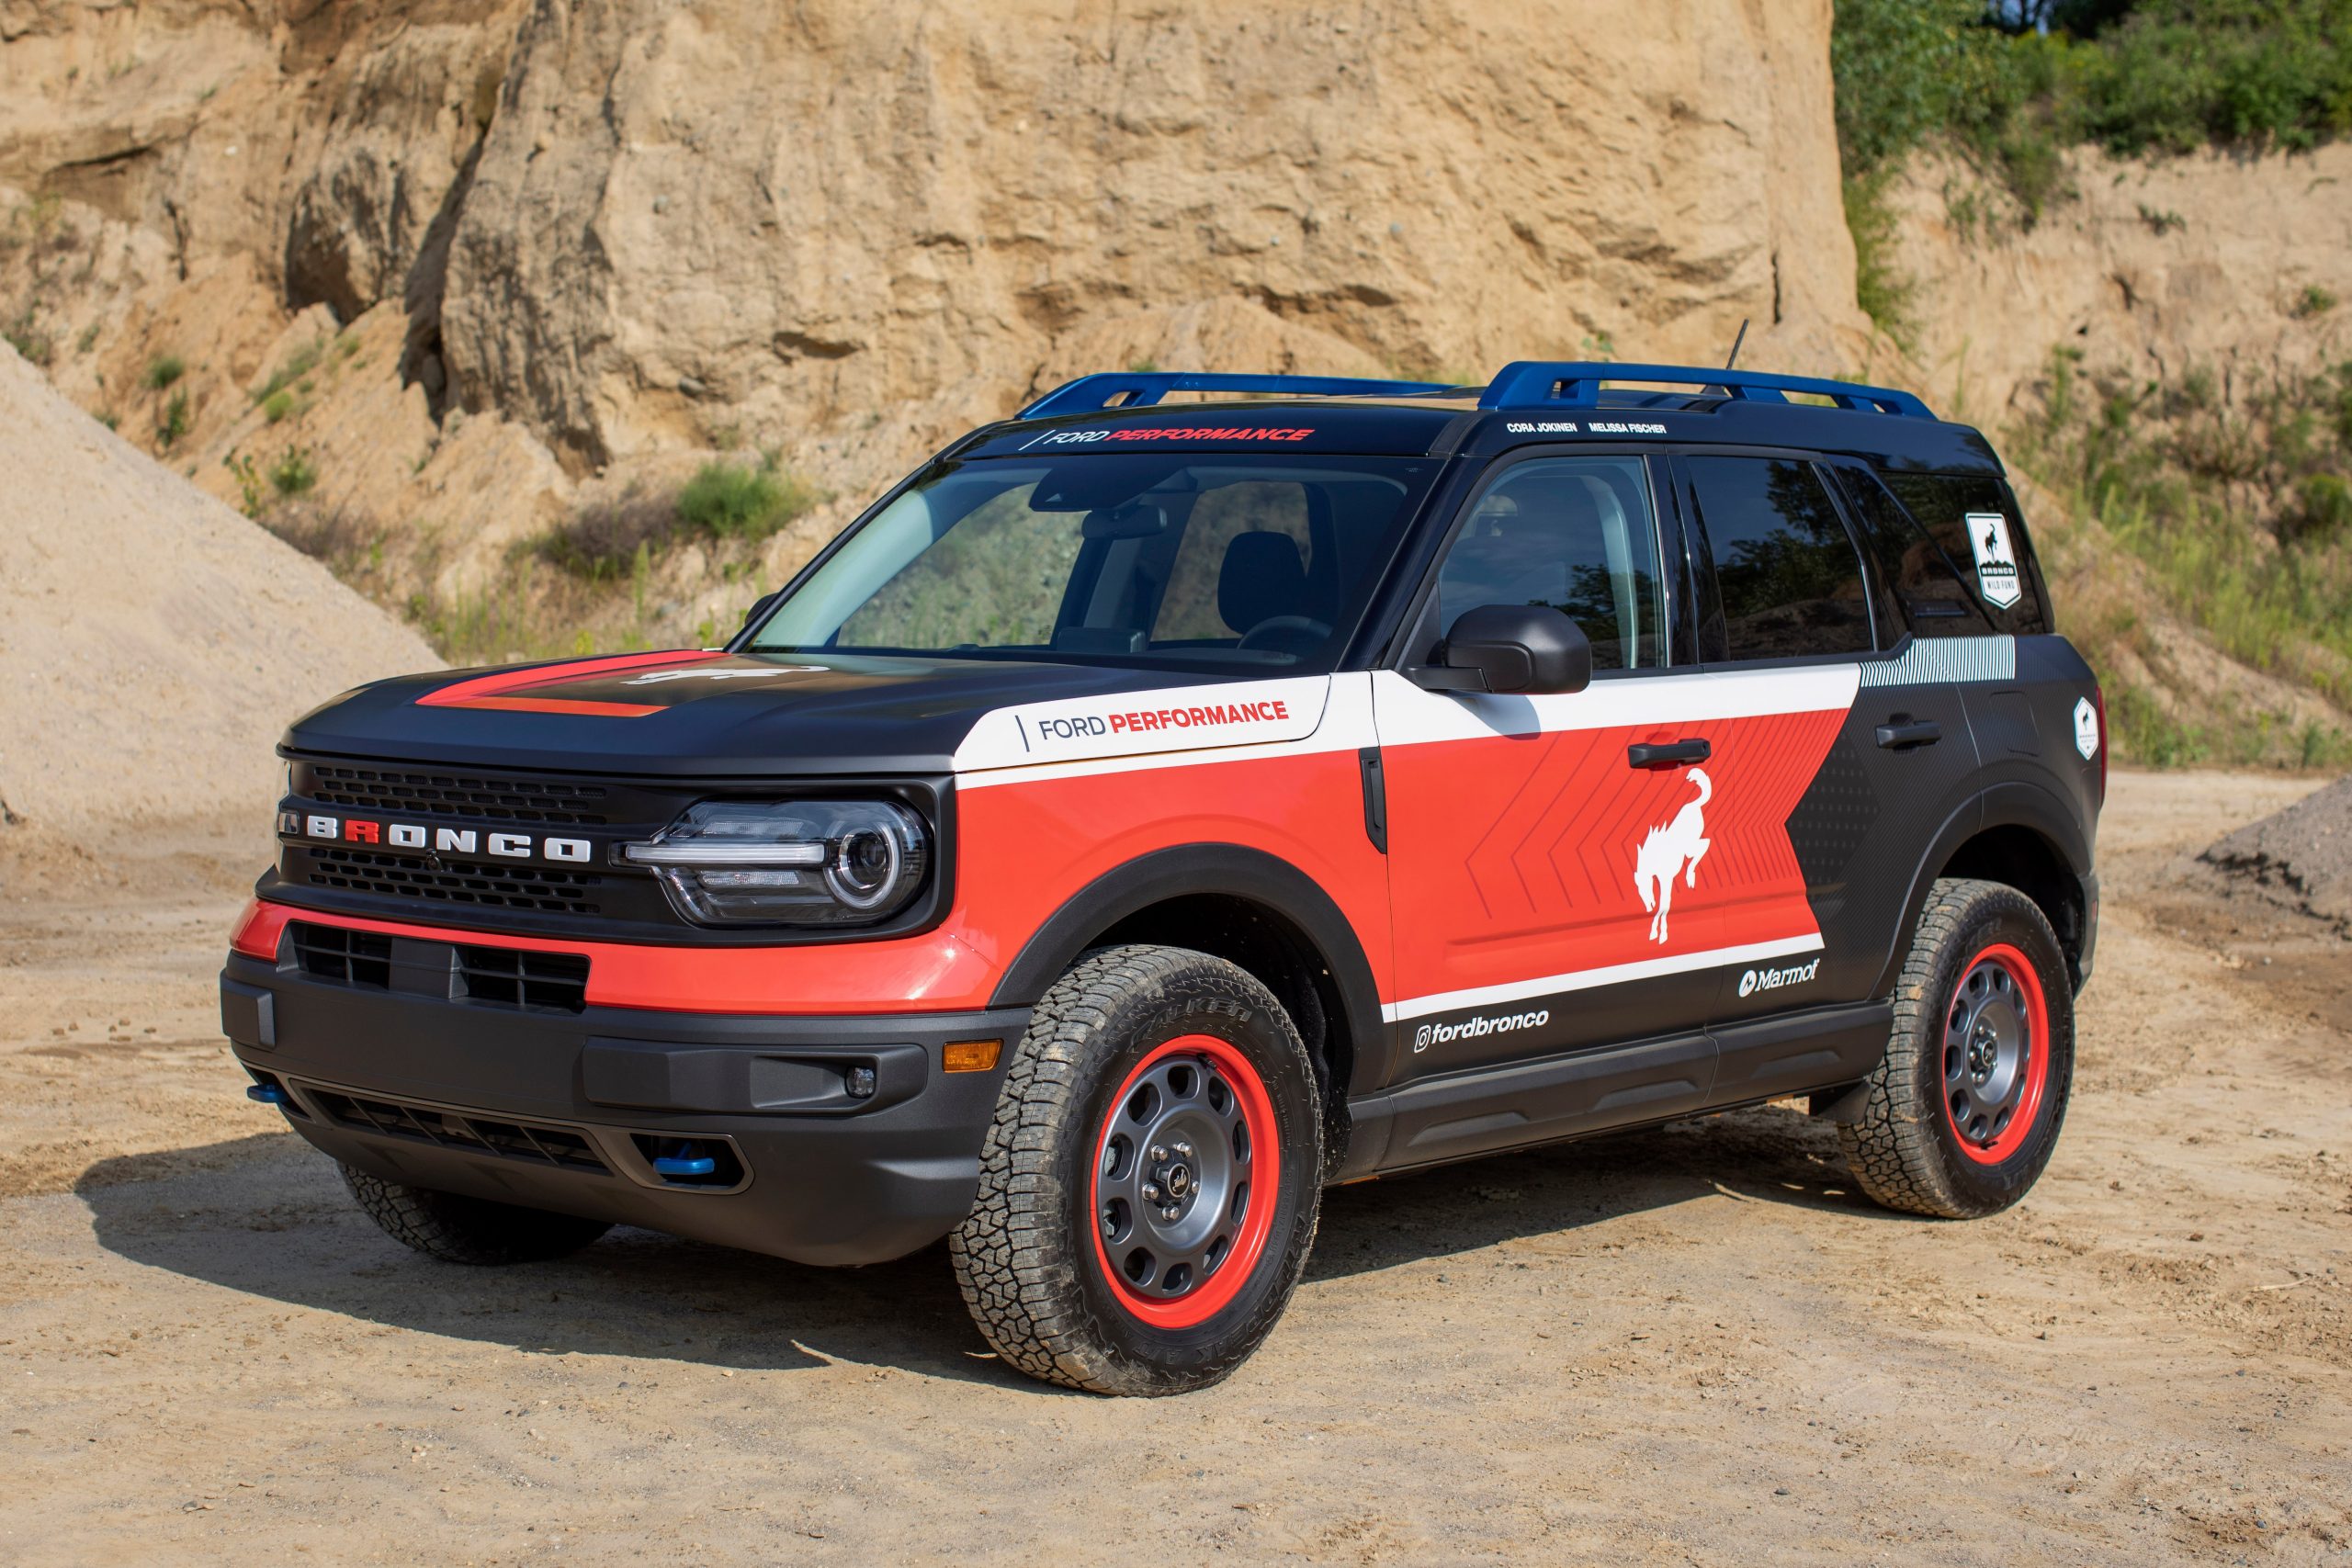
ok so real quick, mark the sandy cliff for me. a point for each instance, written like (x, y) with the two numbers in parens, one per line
(608, 235)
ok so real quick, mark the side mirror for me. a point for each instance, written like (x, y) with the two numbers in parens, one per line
(1527, 648)
(760, 606)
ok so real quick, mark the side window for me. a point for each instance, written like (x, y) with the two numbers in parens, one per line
(1574, 533)
(1786, 570)
(1974, 520)
(1933, 598)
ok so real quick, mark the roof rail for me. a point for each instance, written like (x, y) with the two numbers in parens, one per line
(1576, 384)
(1090, 394)
(1529, 383)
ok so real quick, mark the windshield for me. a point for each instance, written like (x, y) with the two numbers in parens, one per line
(1209, 562)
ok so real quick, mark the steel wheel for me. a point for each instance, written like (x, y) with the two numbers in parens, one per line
(1995, 1054)
(1185, 1169)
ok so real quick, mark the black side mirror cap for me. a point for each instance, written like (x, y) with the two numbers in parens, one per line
(1530, 650)
(760, 607)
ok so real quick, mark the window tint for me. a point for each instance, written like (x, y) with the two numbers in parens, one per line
(1572, 533)
(1931, 596)
(1786, 570)
(1958, 512)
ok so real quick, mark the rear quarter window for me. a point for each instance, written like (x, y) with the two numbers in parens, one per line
(1974, 520)
(1930, 596)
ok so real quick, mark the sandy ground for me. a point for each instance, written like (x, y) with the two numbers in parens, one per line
(1690, 1344)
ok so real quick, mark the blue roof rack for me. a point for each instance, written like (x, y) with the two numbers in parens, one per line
(1091, 394)
(1576, 384)
(1529, 383)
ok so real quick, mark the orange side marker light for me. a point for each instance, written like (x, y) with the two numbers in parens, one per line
(970, 1056)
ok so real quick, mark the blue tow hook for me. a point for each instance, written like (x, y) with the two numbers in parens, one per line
(267, 1093)
(683, 1164)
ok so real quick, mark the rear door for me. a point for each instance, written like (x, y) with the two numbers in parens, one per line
(1575, 871)
(1793, 580)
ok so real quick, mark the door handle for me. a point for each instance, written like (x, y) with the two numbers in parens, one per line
(1903, 733)
(1666, 753)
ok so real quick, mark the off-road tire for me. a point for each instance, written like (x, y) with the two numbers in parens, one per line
(469, 1230)
(1033, 1272)
(1904, 1147)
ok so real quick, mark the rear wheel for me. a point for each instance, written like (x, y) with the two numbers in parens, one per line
(1149, 1186)
(1962, 1113)
(469, 1230)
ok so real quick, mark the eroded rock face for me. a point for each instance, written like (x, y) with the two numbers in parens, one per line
(739, 214)
(2150, 270)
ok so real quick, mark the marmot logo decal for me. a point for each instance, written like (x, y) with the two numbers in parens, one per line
(1672, 848)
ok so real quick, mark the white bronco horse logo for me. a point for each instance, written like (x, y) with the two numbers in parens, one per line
(1675, 846)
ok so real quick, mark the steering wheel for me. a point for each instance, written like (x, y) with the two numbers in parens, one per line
(1299, 633)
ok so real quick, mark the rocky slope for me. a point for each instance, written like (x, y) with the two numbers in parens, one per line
(2239, 265)
(579, 243)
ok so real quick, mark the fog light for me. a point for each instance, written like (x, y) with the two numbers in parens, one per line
(861, 1083)
(970, 1056)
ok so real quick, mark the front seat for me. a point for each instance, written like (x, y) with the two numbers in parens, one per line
(1263, 592)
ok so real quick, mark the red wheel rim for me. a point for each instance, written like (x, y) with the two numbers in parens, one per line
(1187, 1174)
(1996, 1056)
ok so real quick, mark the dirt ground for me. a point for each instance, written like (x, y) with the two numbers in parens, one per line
(1690, 1344)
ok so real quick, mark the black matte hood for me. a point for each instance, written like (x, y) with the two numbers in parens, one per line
(702, 713)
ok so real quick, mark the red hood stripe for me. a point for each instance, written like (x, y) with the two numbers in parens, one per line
(472, 693)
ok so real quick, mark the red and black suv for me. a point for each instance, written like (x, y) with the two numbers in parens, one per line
(1149, 813)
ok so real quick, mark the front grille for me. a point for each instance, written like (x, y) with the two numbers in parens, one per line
(396, 792)
(534, 1142)
(457, 882)
(511, 976)
(345, 956)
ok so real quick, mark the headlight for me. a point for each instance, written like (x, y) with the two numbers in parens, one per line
(802, 862)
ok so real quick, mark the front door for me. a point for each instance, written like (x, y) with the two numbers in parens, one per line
(1579, 870)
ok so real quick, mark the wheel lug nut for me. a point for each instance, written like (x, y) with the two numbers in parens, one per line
(1169, 1212)
(1151, 1192)
(1185, 1150)
(1159, 1152)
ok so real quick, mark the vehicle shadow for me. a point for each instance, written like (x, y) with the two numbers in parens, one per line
(268, 1217)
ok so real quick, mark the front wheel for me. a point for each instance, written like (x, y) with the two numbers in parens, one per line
(1149, 1185)
(1962, 1113)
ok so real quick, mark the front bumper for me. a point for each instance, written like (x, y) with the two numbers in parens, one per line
(568, 1111)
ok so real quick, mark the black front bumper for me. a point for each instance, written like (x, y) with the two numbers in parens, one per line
(567, 1111)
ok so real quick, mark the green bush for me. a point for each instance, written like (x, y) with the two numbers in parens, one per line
(293, 473)
(730, 500)
(299, 363)
(277, 405)
(2135, 76)
(174, 423)
(724, 500)
(162, 370)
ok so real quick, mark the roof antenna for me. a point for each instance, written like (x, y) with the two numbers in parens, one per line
(1736, 343)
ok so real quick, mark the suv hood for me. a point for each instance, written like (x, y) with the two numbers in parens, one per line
(713, 714)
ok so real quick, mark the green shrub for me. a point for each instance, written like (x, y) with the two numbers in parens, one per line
(277, 405)
(293, 473)
(2135, 76)
(730, 500)
(27, 338)
(299, 363)
(162, 370)
(2312, 301)
(174, 423)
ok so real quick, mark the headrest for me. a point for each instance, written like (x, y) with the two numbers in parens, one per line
(1263, 576)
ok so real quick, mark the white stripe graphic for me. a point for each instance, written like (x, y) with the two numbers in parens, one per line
(1585, 979)
(1409, 715)
(1343, 722)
